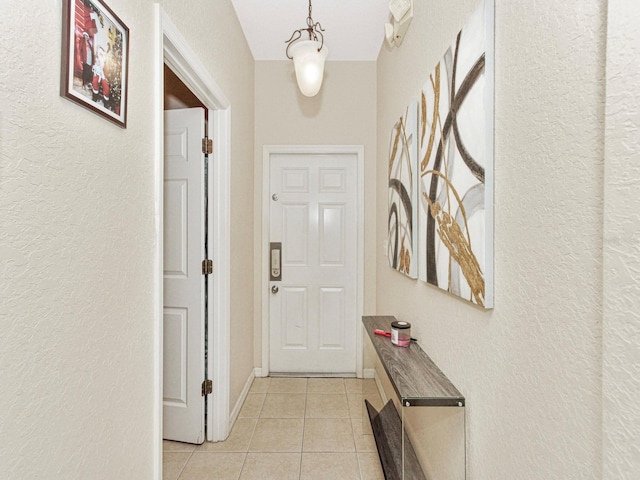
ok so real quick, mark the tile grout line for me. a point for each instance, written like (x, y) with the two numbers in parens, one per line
(185, 464)
(304, 426)
(255, 425)
(246, 452)
(242, 467)
(353, 433)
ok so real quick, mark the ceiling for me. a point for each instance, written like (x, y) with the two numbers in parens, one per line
(354, 29)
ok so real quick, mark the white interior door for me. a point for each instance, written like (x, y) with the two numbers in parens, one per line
(184, 307)
(313, 309)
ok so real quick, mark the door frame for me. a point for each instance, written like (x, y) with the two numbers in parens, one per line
(172, 48)
(267, 152)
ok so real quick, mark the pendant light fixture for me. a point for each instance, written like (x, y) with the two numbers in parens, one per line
(308, 56)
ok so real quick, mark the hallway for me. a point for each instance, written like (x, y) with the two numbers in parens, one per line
(289, 428)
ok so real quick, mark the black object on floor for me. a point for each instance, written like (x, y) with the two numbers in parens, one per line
(387, 430)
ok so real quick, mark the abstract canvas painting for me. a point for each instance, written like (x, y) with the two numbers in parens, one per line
(456, 165)
(402, 219)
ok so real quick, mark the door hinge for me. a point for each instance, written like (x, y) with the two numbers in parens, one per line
(207, 387)
(207, 146)
(207, 267)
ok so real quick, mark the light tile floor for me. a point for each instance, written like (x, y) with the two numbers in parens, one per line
(289, 428)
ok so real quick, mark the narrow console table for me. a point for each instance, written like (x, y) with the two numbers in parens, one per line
(418, 382)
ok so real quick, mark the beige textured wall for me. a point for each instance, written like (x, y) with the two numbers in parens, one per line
(530, 368)
(77, 241)
(621, 272)
(343, 113)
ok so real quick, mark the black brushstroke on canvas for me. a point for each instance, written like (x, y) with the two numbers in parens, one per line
(395, 184)
(476, 169)
(393, 212)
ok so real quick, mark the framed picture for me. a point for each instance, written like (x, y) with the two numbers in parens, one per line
(95, 59)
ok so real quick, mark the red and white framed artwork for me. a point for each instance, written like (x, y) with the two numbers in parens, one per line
(95, 59)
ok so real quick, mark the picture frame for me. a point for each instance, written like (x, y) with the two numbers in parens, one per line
(402, 218)
(95, 59)
(456, 171)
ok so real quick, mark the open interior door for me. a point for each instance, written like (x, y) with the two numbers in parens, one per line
(184, 287)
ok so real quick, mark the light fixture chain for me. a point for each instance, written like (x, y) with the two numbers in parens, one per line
(310, 25)
(314, 29)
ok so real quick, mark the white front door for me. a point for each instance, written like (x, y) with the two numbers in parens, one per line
(184, 299)
(313, 309)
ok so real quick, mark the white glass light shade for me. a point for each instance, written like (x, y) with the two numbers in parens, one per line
(309, 65)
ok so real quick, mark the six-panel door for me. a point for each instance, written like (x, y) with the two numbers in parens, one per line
(313, 214)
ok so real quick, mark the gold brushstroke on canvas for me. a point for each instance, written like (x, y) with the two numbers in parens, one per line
(405, 253)
(394, 149)
(454, 239)
(437, 124)
(405, 149)
(436, 113)
(405, 260)
(437, 120)
(423, 119)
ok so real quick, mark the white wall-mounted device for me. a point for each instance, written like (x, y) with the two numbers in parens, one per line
(401, 15)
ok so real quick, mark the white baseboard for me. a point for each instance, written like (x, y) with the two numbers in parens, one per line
(381, 391)
(368, 372)
(259, 374)
(243, 396)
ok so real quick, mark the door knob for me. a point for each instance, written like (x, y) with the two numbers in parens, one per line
(274, 289)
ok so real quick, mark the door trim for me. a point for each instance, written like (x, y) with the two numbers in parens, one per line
(171, 48)
(267, 151)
